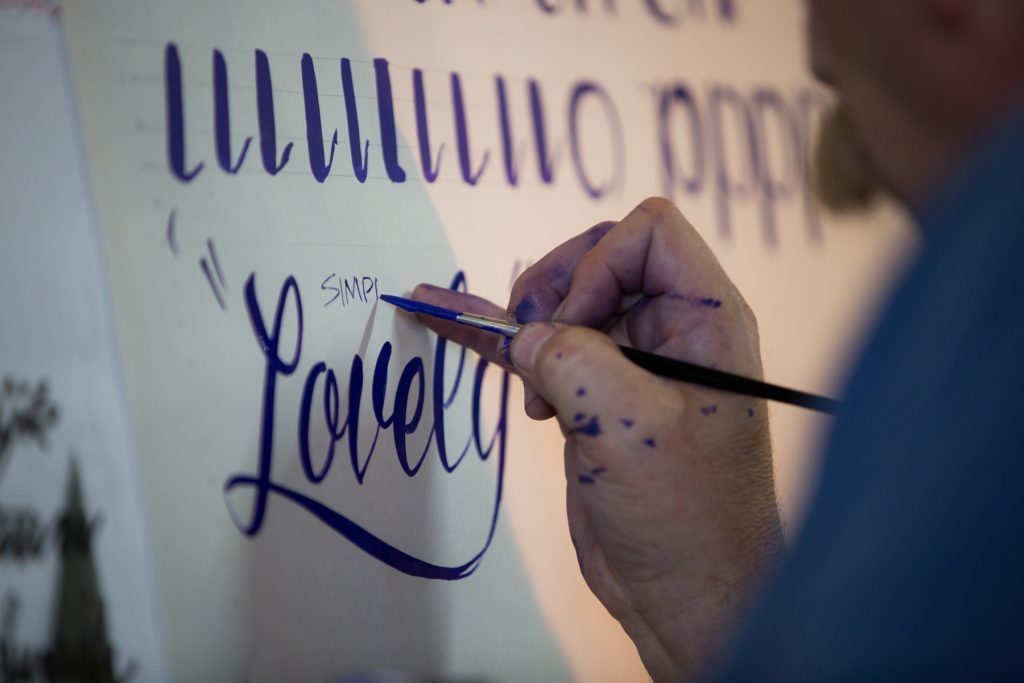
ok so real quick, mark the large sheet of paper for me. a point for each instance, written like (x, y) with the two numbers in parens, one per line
(76, 592)
(330, 489)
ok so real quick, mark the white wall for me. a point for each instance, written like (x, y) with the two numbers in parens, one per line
(297, 596)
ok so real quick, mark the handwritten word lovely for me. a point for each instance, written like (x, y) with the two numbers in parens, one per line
(411, 412)
(745, 148)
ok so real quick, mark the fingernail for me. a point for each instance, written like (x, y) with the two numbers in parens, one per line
(528, 342)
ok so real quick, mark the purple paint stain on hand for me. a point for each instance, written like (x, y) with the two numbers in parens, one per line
(649, 442)
(708, 302)
(527, 310)
(586, 479)
(626, 422)
(708, 410)
(561, 277)
(559, 355)
(592, 428)
(750, 412)
(578, 417)
(595, 233)
(581, 392)
(597, 470)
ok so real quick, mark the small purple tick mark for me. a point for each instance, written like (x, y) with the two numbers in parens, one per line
(559, 355)
(172, 239)
(597, 470)
(581, 392)
(586, 479)
(750, 412)
(626, 422)
(708, 410)
(578, 417)
(592, 428)
(649, 442)
(711, 303)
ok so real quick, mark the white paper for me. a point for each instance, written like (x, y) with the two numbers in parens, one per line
(295, 591)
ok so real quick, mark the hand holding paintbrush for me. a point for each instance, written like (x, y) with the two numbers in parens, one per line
(670, 494)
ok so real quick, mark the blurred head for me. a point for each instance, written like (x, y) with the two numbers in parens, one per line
(917, 82)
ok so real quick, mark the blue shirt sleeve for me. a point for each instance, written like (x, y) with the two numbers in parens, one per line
(911, 561)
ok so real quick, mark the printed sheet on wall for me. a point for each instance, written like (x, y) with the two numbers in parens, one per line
(331, 489)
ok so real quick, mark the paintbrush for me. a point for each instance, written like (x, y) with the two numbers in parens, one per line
(659, 365)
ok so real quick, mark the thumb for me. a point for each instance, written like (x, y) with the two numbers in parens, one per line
(596, 391)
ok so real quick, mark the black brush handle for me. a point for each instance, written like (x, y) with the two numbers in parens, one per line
(726, 381)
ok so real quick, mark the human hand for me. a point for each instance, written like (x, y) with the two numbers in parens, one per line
(669, 487)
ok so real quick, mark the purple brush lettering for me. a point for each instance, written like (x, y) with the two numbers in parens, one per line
(409, 394)
(314, 130)
(386, 116)
(176, 117)
(222, 117)
(358, 149)
(617, 174)
(429, 167)
(508, 145)
(265, 117)
(693, 182)
(462, 136)
(545, 156)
